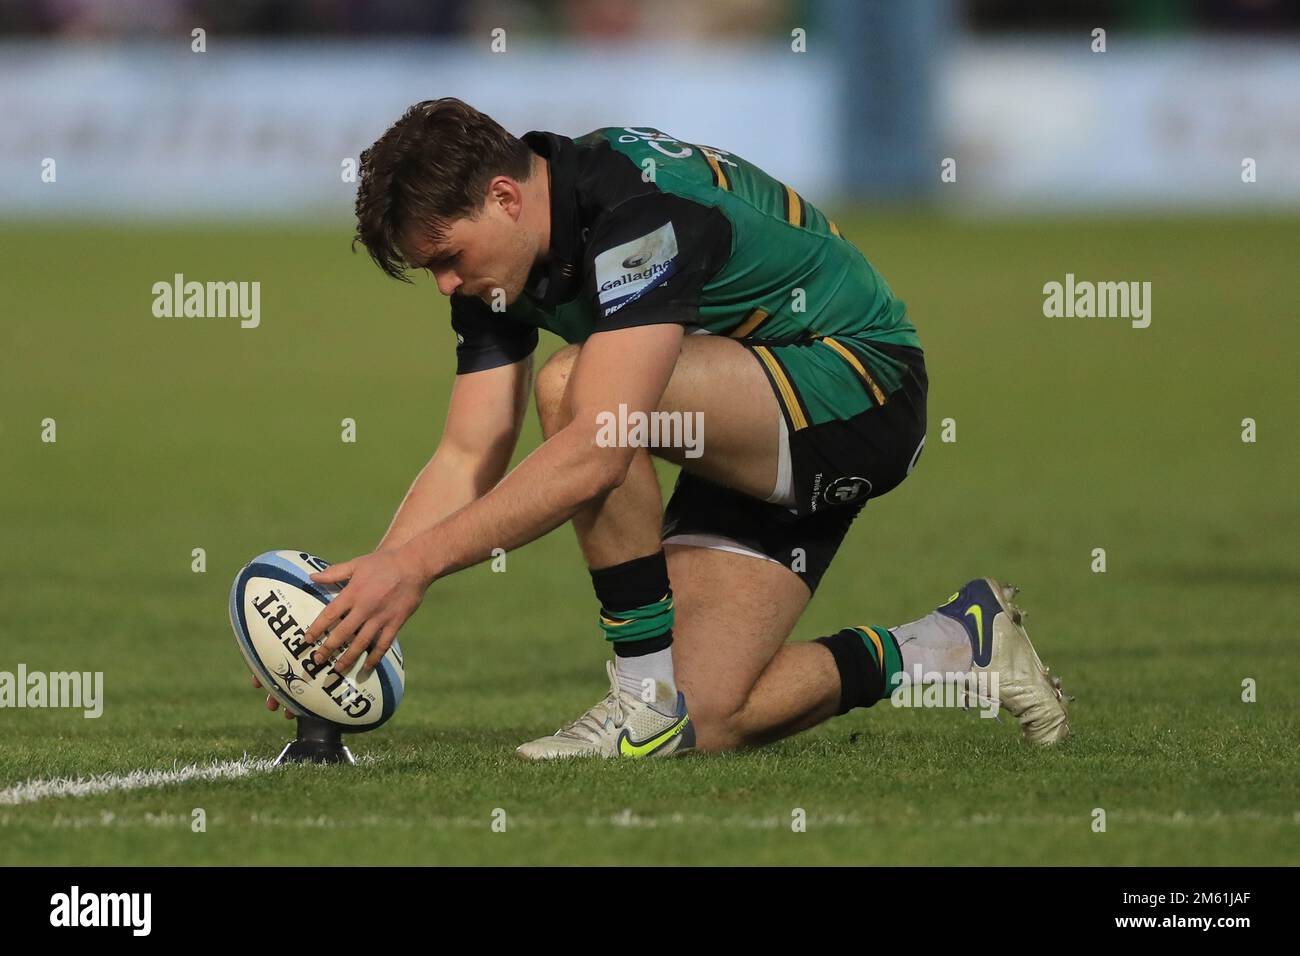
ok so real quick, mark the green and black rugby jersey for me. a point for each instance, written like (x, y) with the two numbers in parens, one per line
(647, 229)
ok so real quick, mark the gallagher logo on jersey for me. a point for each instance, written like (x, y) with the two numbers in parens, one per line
(627, 272)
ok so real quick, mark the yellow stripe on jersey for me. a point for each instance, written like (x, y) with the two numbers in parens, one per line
(719, 177)
(835, 230)
(752, 321)
(857, 367)
(788, 397)
(793, 207)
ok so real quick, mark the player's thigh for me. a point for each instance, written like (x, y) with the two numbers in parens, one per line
(721, 381)
(732, 613)
(716, 381)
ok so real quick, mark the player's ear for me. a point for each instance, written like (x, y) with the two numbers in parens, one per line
(505, 192)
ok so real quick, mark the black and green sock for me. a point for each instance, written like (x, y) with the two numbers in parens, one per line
(636, 614)
(869, 663)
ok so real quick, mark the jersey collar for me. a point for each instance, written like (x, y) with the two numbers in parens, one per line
(558, 279)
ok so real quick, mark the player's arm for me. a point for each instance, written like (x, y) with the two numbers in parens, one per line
(629, 367)
(484, 418)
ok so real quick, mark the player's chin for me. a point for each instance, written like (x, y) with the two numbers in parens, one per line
(498, 294)
(508, 294)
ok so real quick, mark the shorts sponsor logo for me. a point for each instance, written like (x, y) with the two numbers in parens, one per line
(628, 271)
(843, 491)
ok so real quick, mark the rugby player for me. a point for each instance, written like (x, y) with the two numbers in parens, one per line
(687, 282)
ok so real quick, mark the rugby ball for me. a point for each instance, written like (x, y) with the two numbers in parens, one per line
(272, 603)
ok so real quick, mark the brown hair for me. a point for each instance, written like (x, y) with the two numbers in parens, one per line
(430, 168)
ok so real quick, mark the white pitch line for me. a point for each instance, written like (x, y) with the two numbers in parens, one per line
(35, 790)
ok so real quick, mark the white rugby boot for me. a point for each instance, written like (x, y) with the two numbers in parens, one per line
(621, 725)
(1026, 687)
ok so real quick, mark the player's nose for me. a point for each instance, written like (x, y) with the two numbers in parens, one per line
(448, 281)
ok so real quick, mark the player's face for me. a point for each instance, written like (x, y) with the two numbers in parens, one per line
(479, 255)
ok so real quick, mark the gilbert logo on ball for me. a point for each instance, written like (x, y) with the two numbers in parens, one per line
(272, 603)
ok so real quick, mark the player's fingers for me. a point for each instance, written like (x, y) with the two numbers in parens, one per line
(326, 619)
(334, 573)
(288, 714)
(272, 703)
(256, 682)
(365, 637)
(381, 647)
(339, 636)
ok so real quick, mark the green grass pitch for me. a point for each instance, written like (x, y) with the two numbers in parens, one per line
(1072, 434)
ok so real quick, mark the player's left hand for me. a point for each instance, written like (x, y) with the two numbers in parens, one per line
(384, 589)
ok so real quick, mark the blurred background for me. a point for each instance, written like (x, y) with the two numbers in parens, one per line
(851, 101)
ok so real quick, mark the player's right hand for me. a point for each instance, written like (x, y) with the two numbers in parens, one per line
(271, 702)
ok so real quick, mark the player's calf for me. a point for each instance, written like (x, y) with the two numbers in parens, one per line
(797, 690)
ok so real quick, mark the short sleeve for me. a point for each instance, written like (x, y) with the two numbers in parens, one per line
(487, 339)
(649, 259)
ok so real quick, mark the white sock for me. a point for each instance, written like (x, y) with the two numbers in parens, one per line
(657, 667)
(936, 642)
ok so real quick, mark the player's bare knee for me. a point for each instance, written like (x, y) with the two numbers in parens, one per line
(716, 733)
(550, 386)
(718, 725)
(553, 378)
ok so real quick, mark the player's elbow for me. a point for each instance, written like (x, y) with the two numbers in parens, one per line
(598, 464)
(609, 469)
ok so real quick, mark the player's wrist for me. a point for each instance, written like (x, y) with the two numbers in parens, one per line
(418, 562)
(393, 544)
